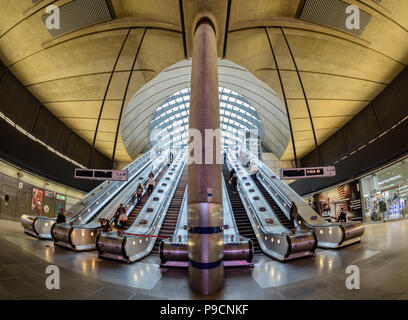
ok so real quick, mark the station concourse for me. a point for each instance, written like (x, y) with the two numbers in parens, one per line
(203, 150)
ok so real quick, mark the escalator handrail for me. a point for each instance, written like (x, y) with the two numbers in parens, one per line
(127, 201)
(160, 168)
(321, 223)
(266, 172)
(116, 190)
(183, 208)
(172, 188)
(224, 188)
(132, 164)
(253, 210)
(97, 196)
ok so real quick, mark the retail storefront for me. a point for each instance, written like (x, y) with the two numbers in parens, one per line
(385, 193)
(380, 196)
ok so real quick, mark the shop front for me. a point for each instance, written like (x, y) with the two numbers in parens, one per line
(385, 193)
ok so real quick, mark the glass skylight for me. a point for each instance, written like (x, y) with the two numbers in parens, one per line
(169, 125)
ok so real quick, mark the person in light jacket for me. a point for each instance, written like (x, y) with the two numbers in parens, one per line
(151, 183)
(139, 193)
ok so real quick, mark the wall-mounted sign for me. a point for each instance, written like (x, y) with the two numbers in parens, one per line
(389, 180)
(20, 185)
(345, 197)
(49, 194)
(60, 197)
(37, 201)
(98, 174)
(301, 173)
(58, 207)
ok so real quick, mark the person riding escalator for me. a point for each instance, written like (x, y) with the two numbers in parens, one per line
(121, 209)
(293, 216)
(61, 217)
(139, 193)
(233, 178)
(151, 183)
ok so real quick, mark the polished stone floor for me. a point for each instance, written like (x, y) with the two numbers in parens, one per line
(381, 257)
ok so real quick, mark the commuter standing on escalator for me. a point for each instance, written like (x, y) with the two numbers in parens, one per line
(61, 216)
(139, 193)
(151, 183)
(170, 159)
(105, 225)
(293, 215)
(118, 212)
(233, 178)
(254, 170)
(342, 217)
(123, 219)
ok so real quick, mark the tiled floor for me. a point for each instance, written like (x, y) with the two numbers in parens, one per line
(381, 257)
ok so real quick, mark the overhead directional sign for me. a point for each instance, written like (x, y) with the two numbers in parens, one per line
(301, 173)
(99, 174)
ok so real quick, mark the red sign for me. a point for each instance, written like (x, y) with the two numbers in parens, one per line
(37, 201)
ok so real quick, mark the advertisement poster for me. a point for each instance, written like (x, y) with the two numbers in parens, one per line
(344, 198)
(58, 207)
(37, 201)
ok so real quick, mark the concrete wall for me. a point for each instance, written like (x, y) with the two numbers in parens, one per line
(274, 163)
(18, 184)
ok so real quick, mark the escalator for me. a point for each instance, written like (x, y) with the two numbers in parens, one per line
(133, 215)
(241, 218)
(170, 221)
(139, 239)
(81, 236)
(283, 219)
(87, 208)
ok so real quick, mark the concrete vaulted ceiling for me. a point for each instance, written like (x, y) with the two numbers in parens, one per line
(69, 74)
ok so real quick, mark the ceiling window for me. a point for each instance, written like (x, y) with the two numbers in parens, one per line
(169, 125)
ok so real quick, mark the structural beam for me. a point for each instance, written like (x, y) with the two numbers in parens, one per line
(90, 164)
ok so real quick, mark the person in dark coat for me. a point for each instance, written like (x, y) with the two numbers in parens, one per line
(61, 217)
(233, 178)
(342, 217)
(293, 215)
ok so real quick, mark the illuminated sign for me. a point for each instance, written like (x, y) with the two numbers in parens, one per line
(300, 173)
(60, 197)
(98, 174)
(389, 180)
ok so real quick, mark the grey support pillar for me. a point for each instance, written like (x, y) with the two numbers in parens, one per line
(204, 198)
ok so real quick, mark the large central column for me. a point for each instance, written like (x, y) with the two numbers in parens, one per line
(204, 198)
